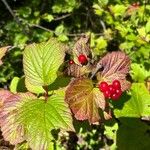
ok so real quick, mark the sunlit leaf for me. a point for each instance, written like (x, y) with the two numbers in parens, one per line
(26, 118)
(82, 46)
(77, 71)
(34, 88)
(84, 100)
(101, 43)
(4, 94)
(41, 62)
(13, 84)
(118, 10)
(12, 129)
(147, 28)
(139, 73)
(18, 85)
(110, 132)
(40, 118)
(138, 105)
(3, 50)
(115, 65)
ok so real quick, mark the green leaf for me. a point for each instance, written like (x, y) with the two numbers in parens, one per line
(84, 100)
(59, 30)
(118, 10)
(139, 73)
(25, 12)
(13, 84)
(127, 45)
(147, 28)
(61, 81)
(20, 40)
(138, 105)
(40, 118)
(63, 38)
(18, 85)
(42, 61)
(142, 32)
(66, 6)
(110, 132)
(133, 134)
(103, 2)
(34, 88)
(98, 10)
(26, 118)
(101, 43)
(48, 17)
(22, 146)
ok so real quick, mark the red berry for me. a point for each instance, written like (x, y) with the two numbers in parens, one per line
(82, 59)
(134, 4)
(138, 3)
(111, 89)
(118, 92)
(116, 84)
(114, 96)
(103, 86)
(71, 62)
(107, 94)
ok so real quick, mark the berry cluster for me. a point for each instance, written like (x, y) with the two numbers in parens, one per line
(112, 91)
(136, 4)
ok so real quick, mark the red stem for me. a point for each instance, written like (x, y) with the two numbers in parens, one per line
(46, 92)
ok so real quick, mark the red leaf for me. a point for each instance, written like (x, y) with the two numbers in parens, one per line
(116, 66)
(3, 50)
(84, 100)
(12, 129)
(4, 94)
(77, 71)
(82, 46)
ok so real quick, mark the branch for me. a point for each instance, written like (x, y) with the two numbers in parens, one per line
(14, 16)
(40, 27)
(103, 25)
(98, 67)
(68, 34)
(8, 8)
(46, 92)
(62, 17)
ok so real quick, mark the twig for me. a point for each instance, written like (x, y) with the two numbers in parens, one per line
(9, 9)
(46, 93)
(14, 16)
(103, 25)
(68, 34)
(99, 66)
(41, 27)
(52, 31)
(62, 17)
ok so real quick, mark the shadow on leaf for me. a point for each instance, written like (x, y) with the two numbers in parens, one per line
(133, 134)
